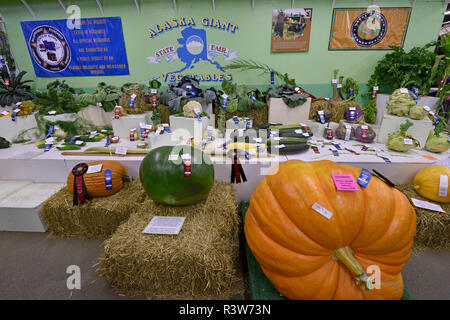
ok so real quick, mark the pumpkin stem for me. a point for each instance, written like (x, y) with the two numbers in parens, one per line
(126, 178)
(345, 256)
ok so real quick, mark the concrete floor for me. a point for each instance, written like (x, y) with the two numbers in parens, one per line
(33, 266)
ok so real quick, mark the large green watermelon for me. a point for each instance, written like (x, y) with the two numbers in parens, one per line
(165, 182)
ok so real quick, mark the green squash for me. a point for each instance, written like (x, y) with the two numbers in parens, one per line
(165, 182)
(4, 143)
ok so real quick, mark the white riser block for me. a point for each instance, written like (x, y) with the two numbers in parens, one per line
(191, 125)
(19, 211)
(97, 116)
(10, 129)
(279, 112)
(122, 126)
(318, 129)
(8, 187)
(419, 130)
(165, 139)
(69, 117)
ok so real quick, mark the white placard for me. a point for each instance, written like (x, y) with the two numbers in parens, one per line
(257, 140)
(152, 91)
(241, 132)
(334, 80)
(252, 151)
(224, 96)
(173, 157)
(94, 169)
(375, 88)
(403, 90)
(133, 96)
(352, 109)
(122, 151)
(78, 142)
(52, 112)
(339, 85)
(280, 146)
(158, 130)
(99, 104)
(443, 185)
(5, 113)
(186, 156)
(327, 214)
(164, 225)
(277, 138)
(408, 141)
(165, 124)
(306, 134)
(148, 126)
(299, 131)
(197, 110)
(427, 108)
(427, 205)
(320, 112)
(364, 127)
(18, 104)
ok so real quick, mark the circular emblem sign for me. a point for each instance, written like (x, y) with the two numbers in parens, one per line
(49, 48)
(369, 29)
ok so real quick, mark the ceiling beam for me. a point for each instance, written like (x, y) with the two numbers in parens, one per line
(137, 6)
(100, 7)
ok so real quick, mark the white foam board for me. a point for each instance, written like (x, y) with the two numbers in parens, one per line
(279, 112)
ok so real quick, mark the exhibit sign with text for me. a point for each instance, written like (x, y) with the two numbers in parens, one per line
(97, 48)
(291, 30)
(368, 28)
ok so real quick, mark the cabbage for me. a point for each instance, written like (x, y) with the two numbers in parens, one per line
(417, 112)
(367, 139)
(437, 144)
(341, 132)
(400, 103)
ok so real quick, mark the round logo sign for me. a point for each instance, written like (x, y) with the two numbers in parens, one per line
(49, 49)
(369, 29)
(194, 45)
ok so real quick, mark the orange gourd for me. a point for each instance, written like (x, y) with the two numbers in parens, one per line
(308, 256)
(95, 182)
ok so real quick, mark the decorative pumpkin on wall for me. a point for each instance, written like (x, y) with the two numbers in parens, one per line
(99, 184)
(427, 183)
(177, 176)
(309, 256)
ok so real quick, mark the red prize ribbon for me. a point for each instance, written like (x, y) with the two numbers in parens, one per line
(79, 187)
(187, 168)
(154, 100)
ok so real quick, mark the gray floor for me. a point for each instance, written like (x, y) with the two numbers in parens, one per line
(33, 266)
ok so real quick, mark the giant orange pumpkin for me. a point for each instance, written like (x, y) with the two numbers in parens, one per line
(308, 256)
(95, 182)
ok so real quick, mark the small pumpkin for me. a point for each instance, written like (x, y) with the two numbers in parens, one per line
(312, 255)
(95, 182)
(427, 181)
(173, 181)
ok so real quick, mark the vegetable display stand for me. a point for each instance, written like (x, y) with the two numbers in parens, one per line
(98, 218)
(279, 112)
(67, 117)
(419, 130)
(97, 116)
(191, 125)
(242, 124)
(382, 100)
(260, 287)
(10, 129)
(20, 203)
(197, 263)
(122, 126)
(318, 128)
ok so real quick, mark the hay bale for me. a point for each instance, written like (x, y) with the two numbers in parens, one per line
(260, 116)
(98, 218)
(338, 107)
(198, 263)
(433, 228)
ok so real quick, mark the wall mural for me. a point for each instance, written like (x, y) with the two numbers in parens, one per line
(193, 47)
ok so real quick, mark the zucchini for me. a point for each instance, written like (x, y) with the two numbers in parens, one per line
(290, 148)
(267, 125)
(286, 140)
(286, 126)
(69, 147)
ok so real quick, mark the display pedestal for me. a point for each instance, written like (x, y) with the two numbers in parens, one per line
(67, 117)
(122, 126)
(20, 203)
(97, 116)
(318, 128)
(279, 112)
(191, 126)
(165, 139)
(231, 125)
(10, 129)
(419, 130)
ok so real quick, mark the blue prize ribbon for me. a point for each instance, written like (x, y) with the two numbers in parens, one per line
(142, 132)
(272, 77)
(47, 147)
(236, 120)
(13, 115)
(50, 131)
(108, 142)
(352, 115)
(322, 118)
(414, 95)
(260, 150)
(199, 118)
(167, 129)
(108, 179)
(337, 146)
(253, 97)
(131, 102)
(364, 178)
(224, 103)
(351, 92)
(247, 123)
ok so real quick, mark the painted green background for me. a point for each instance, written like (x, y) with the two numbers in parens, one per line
(313, 69)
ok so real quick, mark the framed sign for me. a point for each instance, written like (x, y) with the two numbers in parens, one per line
(291, 29)
(363, 29)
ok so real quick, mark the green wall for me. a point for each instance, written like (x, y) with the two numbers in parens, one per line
(312, 69)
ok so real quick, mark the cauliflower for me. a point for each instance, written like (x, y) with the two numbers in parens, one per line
(188, 109)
